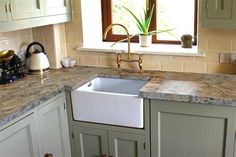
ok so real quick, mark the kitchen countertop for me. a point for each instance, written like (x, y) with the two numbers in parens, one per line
(23, 95)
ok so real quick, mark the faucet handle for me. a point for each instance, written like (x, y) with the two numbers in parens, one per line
(118, 58)
(140, 62)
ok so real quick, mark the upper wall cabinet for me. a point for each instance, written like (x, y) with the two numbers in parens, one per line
(3, 11)
(21, 9)
(22, 14)
(12, 10)
(219, 13)
(57, 7)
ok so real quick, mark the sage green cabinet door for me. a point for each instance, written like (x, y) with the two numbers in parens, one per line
(219, 9)
(53, 129)
(126, 144)
(90, 142)
(21, 9)
(219, 13)
(191, 130)
(54, 7)
(3, 10)
(19, 139)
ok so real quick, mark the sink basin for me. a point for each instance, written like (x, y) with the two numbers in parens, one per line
(109, 101)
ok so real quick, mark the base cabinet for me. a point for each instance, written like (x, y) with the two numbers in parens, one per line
(93, 142)
(53, 129)
(126, 144)
(19, 140)
(44, 130)
(191, 130)
(90, 142)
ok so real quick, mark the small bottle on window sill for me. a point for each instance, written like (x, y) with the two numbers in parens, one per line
(186, 41)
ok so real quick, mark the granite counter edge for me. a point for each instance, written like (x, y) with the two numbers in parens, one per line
(188, 98)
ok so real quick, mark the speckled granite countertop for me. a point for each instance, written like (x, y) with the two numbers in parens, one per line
(25, 94)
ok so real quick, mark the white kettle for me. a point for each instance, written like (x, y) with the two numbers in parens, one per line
(37, 61)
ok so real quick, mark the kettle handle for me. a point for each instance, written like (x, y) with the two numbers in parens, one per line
(28, 54)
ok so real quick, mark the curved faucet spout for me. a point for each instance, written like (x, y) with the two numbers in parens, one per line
(127, 32)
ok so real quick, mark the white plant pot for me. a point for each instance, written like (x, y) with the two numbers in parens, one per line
(145, 41)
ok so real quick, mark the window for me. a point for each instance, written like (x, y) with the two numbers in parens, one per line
(181, 16)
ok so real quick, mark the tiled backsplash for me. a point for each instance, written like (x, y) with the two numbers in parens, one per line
(15, 40)
(53, 39)
(210, 41)
(61, 40)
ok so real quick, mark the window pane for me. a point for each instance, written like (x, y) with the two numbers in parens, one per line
(122, 16)
(177, 15)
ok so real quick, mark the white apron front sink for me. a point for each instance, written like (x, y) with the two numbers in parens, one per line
(109, 101)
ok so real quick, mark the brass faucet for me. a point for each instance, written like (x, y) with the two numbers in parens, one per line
(129, 57)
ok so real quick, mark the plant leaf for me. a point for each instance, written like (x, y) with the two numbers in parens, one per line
(148, 20)
(138, 22)
(159, 31)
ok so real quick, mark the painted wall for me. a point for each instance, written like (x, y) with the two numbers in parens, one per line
(211, 41)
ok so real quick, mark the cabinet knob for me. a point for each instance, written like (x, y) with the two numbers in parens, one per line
(48, 155)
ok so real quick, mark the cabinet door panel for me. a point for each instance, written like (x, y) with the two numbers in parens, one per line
(218, 14)
(3, 11)
(21, 9)
(126, 144)
(19, 139)
(219, 9)
(184, 130)
(90, 142)
(56, 7)
(54, 136)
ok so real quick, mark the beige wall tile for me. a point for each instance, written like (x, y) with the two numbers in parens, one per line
(212, 33)
(202, 42)
(196, 67)
(210, 56)
(107, 60)
(172, 66)
(16, 40)
(151, 62)
(213, 67)
(152, 65)
(228, 33)
(233, 45)
(73, 28)
(223, 44)
(129, 65)
(182, 58)
(88, 59)
(76, 5)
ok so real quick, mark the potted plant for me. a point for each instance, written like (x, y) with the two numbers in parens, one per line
(143, 24)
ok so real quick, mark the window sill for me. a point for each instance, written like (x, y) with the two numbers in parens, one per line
(159, 49)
